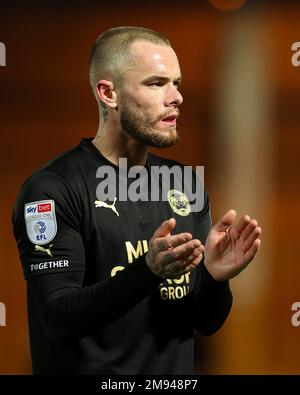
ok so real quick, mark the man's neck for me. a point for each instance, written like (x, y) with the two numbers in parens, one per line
(114, 145)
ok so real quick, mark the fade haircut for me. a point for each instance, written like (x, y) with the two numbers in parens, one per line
(111, 52)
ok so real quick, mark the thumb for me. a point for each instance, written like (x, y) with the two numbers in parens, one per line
(165, 228)
(226, 221)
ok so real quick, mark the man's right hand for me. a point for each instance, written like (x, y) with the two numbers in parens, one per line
(170, 256)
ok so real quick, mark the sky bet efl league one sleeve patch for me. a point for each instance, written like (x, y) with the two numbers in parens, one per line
(40, 221)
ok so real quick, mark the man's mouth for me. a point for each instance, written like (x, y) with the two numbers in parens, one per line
(170, 119)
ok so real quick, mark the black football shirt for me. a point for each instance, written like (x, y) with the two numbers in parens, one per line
(94, 306)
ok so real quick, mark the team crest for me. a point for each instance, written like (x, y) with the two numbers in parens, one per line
(179, 202)
(40, 221)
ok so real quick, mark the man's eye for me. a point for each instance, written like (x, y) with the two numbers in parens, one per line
(156, 83)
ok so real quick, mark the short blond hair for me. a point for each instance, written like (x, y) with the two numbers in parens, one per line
(112, 48)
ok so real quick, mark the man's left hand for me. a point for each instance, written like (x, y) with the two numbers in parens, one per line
(231, 245)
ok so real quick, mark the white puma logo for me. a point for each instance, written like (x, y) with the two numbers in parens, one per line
(42, 249)
(99, 203)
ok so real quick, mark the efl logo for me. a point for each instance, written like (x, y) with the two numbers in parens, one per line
(2, 54)
(2, 314)
(44, 208)
(295, 57)
(295, 320)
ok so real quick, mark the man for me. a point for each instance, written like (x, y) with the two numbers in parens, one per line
(117, 286)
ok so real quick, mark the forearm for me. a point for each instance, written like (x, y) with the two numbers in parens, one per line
(73, 312)
(212, 302)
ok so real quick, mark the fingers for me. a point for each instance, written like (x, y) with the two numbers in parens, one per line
(194, 262)
(244, 226)
(172, 255)
(250, 254)
(183, 251)
(186, 263)
(252, 237)
(242, 223)
(165, 228)
(226, 221)
(166, 243)
(248, 228)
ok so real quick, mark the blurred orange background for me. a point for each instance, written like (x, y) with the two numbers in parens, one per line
(239, 119)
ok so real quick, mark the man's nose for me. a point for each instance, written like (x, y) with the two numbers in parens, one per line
(174, 97)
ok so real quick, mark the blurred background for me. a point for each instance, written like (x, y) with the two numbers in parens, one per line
(239, 119)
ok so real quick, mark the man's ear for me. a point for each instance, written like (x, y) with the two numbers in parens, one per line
(106, 93)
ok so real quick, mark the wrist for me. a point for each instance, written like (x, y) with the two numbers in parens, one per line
(214, 273)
